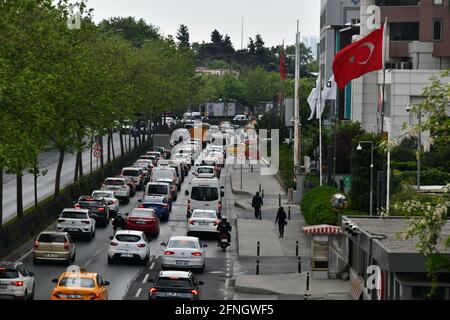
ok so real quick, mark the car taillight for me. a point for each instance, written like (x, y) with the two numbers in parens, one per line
(165, 205)
(36, 244)
(215, 223)
(17, 283)
(141, 206)
(124, 187)
(219, 206)
(194, 292)
(55, 294)
(61, 220)
(168, 253)
(196, 254)
(77, 206)
(66, 246)
(101, 209)
(94, 296)
(152, 290)
(141, 245)
(86, 221)
(189, 205)
(190, 221)
(114, 244)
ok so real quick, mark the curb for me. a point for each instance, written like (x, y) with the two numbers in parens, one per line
(254, 290)
(238, 191)
(239, 205)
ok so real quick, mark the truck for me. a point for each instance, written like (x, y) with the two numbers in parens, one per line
(162, 140)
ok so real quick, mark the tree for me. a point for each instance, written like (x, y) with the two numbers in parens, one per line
(183, 36)
(216, 38)
(251, 46)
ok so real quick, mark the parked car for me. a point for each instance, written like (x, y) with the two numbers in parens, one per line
(175, 285)
(143, 219)
(76, 222)
(183, 252)
(157, 203)
(119, 186)
(129, 244)
(110, 198)
(98, 209)
(203, 221)
(54, 246)
(16, 281)
(78, 284)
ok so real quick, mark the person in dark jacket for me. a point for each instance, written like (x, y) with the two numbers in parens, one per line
(118, 222)
(224, 227)
(281, 219)
(257, 203)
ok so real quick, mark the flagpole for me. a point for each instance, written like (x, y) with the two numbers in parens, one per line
(297, 150)
(319, 114)
(384, 75)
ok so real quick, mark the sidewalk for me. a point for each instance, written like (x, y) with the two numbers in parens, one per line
(278, 260)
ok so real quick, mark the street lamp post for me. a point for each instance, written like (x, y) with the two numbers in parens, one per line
(359, 148)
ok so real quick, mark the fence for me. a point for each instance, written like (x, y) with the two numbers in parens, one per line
(16, 234)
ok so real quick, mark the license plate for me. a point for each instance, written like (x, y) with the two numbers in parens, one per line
(51, 255)
(181, 263)
(73, 230)
(204, 223)
(3, 286)
(74, 296)
(126, 255)
(172, 294)
(140, 222)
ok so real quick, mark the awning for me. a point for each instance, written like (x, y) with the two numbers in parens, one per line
(322, 229)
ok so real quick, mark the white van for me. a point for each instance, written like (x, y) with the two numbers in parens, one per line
(164, 173)
(205, 194)
(178, 169)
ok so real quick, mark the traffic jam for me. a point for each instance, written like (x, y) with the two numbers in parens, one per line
(158, 180)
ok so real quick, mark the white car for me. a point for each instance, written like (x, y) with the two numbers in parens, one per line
(129, 244)
(16, 282)
(205, 172)
(202, 221)
(217, 155)
(119, 186)
(184, 252)
(110, 198)
(76, 222)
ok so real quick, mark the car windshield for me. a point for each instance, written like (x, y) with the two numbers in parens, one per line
(130, 173)
(157, 189)
(205, 170)
(174, 283)
(128, 238)
(183, 244)
(90, 203)
(49, 238)
(114, 182)
(103, 194)
(205, 193)
(204, 214)
(148, 200)
(74, 215)
(141, 214)
(72, 282)
(6, 273)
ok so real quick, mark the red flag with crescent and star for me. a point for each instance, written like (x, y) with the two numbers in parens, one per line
(282, 64)
(359, 58)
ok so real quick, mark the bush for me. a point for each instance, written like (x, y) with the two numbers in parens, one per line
(286, 165)
(427, 177)
(316, 208)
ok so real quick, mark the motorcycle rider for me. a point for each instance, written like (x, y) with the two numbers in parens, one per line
(224, 227)
(118, 222)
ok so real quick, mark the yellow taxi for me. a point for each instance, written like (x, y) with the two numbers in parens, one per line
(78, 284)
(235, 149)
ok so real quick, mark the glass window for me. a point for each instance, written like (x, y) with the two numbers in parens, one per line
(49, 238)
(157, 189)
(321, 251)
(71, 282)
(141, 213)
(128, 238)
(204, 214)
(183, 244)
(130, 173)
(394, 3)
(437, 29)
(438, 2)
(174, 283)
(74, 215)
(404, 31)
(204, 194)
(8, 273)
(112, 182)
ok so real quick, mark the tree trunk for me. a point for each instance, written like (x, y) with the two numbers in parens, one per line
(35, 176)
(75, 176)
(102, 160)
(58, 172)
(1, 196)
(140, 139)
(109, 148)
(129, 142)
(121, 143)
(135, 142)
(112, 146)
(90, 156)
(19, 196)
(80, 163)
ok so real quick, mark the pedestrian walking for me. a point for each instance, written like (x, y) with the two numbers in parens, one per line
(281, 219)
(257, 203)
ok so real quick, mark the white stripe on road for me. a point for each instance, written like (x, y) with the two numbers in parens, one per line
(145, 278)
(25, 255)
(152, 265)
(138, 293)
(87, 263)
(97, 252)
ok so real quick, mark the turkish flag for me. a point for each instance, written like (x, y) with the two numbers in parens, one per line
(282, 65)
(359, 58)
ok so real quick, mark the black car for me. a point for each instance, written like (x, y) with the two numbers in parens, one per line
(179, 285)
(98, 209)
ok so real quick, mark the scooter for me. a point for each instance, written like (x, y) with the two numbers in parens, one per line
(224, 242)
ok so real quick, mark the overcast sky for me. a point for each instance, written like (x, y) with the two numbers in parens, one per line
(275, 20)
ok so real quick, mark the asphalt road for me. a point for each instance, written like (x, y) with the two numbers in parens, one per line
(46, 184)
(127, 280)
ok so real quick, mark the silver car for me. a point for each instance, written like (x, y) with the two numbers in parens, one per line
(110, 198)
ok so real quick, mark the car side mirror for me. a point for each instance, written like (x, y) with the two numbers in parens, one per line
(222, 194)
(55, 280)
(186, 192)
(111, 237)
(163, 244)
(140, 200)
(31, 274)
(106, 283)
(222, 187)
(200, 283)
(204, 245)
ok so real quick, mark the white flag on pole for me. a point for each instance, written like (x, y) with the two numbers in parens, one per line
(328, 93)
(313, 97)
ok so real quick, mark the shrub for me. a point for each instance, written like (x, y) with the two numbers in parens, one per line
(315, 206)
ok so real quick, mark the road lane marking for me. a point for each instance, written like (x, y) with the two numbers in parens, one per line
(145, 278)
(138, 293)
(97, 252)
(25, 255)
(228, 275)
(87, 263)
(152, 265)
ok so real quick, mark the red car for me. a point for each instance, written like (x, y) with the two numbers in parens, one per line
(144, 220)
